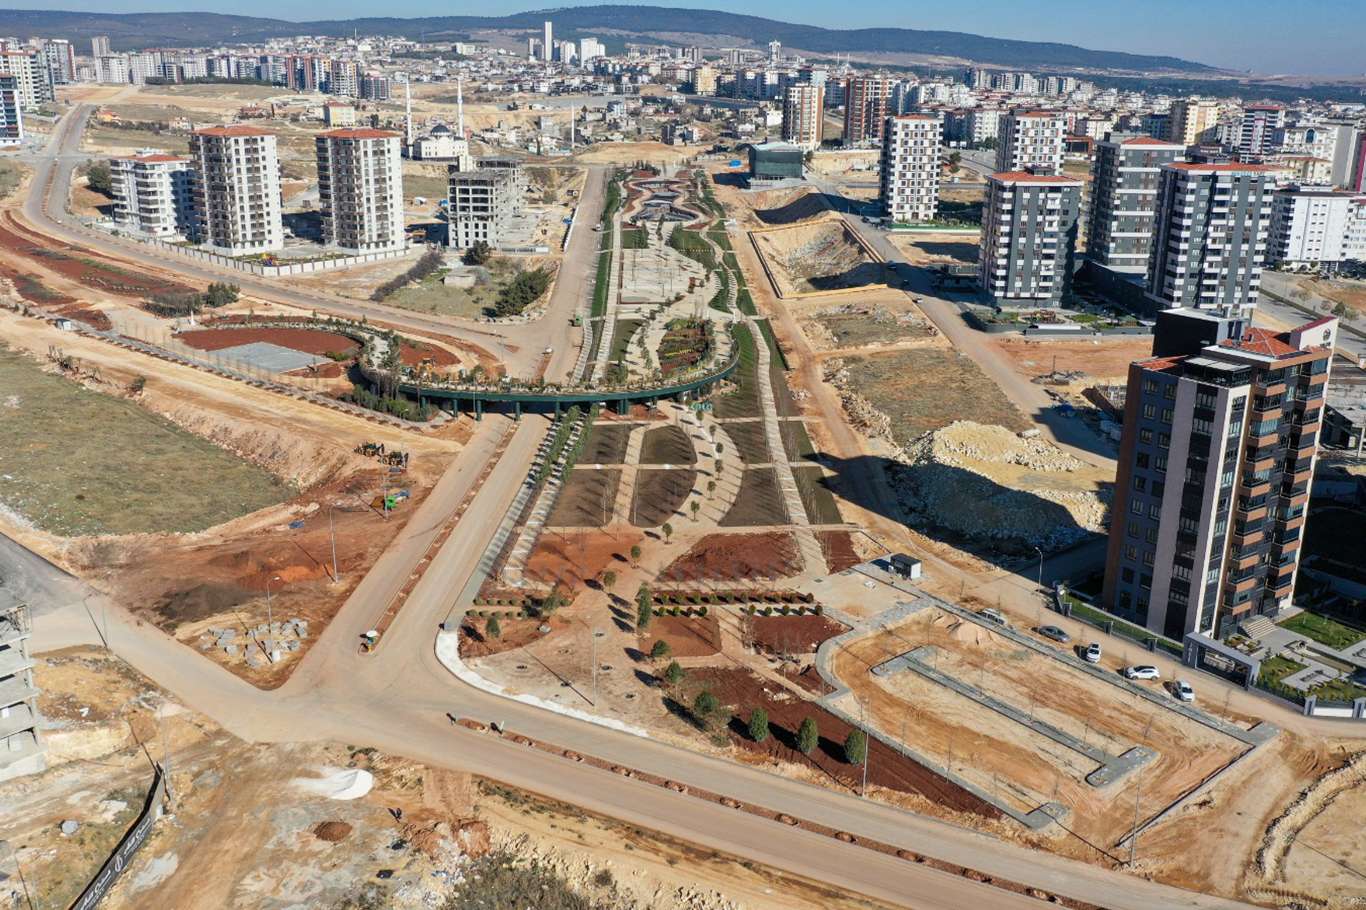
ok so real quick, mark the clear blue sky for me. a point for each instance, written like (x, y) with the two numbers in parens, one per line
(1266, 36)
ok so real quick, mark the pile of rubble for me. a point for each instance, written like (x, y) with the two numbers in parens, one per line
(986, 483)
(863, 416)
(267, 642)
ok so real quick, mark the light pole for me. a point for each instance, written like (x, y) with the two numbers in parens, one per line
(593, 639)
(332, 531)
(1040, 552)
(270, 614)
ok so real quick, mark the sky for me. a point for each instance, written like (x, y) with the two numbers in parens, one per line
(1318, 37)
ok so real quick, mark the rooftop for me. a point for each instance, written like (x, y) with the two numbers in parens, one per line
(1027, 177)
(359, 134)
(235, 130)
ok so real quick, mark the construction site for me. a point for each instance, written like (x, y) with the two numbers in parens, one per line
(819, 255)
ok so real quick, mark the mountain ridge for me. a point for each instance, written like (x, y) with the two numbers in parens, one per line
(129, 31)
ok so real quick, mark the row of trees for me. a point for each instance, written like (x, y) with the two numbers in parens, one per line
(219, 294)
(521, 292)
(430, 262)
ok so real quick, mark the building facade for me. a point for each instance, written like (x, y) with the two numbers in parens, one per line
(909, 188)
(29, 69)
(1316, 227)
(21, 742)
(804, 115)
(1194, 120)
(1213, 221)
(1215, 469)
(1257, 130)
(1031, 141)
(237, 189)
(11, 113)
(482, 204)
(360, 189)
(154, 194)
(1029, 238)
(865, 108)
(1124, 183)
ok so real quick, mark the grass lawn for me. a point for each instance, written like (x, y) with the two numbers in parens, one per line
(1324, 629)
(634, 239)
(743, 401)
(1275, 669)
(431, 296)
(11, 173)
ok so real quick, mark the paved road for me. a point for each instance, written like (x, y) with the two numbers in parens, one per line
(1275, 283)
(396, 699)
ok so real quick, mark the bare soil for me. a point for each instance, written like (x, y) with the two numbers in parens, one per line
(838, 548)
(310, 341)
(788, 635)
(736, 557)
(606, 444)
(688, 636)
(572, 557)
(759, 503)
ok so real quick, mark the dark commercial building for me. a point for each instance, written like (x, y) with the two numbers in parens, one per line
(1029, 238)
(773, 161)
(1215, 467)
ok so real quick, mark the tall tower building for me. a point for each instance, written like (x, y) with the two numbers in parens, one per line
(804, 115)
(1215, 468)
(237, 189)
(11, 112)
(1193, 120)
(1258, 126)
(865, 108)
(1211, 235)
(547, 41)
(1124, 182)
(909, 189)
(1029, 238)
(360, 189)
(1031, 141)
(99, 46)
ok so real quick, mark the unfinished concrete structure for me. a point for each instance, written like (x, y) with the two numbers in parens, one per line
(21, 743)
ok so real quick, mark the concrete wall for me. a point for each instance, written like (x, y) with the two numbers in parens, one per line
(276, 271)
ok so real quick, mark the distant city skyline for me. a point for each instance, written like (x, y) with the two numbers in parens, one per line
(1252, 35)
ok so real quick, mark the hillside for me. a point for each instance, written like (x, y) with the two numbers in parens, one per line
(138, 30)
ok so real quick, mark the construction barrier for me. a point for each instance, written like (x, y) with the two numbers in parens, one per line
(129, 845)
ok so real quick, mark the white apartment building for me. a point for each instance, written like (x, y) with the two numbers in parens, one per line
(1212, 223)
(1257, 129)
(60, 58)
(1193, 120)
(983, 124)
(1029, 238)
(142, 67)
(360, 189)
(29, 69)
(1315, 227)
(154, 194)
(547, 41)
(804, 115)
(1031, 141)
(99, 46)
(237, 189)
(909, 189)
(343, 78)
(11, 112)
(590, 49)
(112, 69)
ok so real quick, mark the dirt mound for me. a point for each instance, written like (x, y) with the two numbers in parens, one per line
(309, 341)
(332, 832)
(791, 208)
(201, 601)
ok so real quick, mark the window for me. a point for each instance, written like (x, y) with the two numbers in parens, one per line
(1140, 483)
(1148, 557)
(1164, 440)
(1149, 411)
(1166, 415)
(1151, 535)
(1127, 575)
(1136, 506)
(1131, 529)
(1160, 463)
(1142, 459)
(1155, 511)
(1145, 436)
(1131, 552)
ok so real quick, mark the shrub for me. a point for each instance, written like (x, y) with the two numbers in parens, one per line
(758, 725)
(427, 265)
(702, 611)
(856, 747)
(660, 650)
(492, 628)
(704, 705)
(808, 736)
(674, 673)
(521, 292)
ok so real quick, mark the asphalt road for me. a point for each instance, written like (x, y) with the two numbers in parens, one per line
(396, 700)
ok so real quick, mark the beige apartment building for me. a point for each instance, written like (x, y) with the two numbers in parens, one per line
(237, 189)
(360, 189)
(804, 115)
(154, 194)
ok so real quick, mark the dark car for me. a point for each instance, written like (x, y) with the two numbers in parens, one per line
(1054, 633)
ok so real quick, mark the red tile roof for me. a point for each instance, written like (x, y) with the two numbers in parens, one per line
(1261, 341)
(1221, 166)
(235, 129)
(1148, 140)
(359, 133)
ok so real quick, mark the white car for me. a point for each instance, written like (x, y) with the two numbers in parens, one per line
(1092, 653)
(1142, 672)
(1183, 691)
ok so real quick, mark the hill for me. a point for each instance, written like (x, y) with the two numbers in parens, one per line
(138, 30)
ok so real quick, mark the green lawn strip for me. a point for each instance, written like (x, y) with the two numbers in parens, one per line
(743, 401)
(817, 499)
(774, 349)
(634, 239)
(1324, 629)
(1119, 626)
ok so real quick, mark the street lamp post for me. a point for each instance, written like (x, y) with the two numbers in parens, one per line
(332, 531)
(270, 614)
(1040, 552)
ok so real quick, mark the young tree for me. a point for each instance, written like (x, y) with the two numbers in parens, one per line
(808, 736)
(644, 608)
(492, 629)
(635, 553)
(856, 747)
(673, 673)
(711, 487)
(668, 530)
(704, 706)
(694, 507)
(99, 178)
(478, 254)
(758, 725)
(609, 579)
(660, 650)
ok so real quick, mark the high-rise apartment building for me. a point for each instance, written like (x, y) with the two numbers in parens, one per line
(909, 188)
(154, 194)
(483, 202)
(1215, 467)
(804, 115)
(1031, 141)
(1257, 130)
(865, 108)
(1210, 244)
(60, 58)
(29, 69)
(11, 112)
(547, 41)
(99, 46)
(360, 189)
(1124, 181)
(1029, 238)
(237, 189)
(1194, 120)
(21, 742)
(704, 80)
(591, 49)
(343, 78)
(1316, 226)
